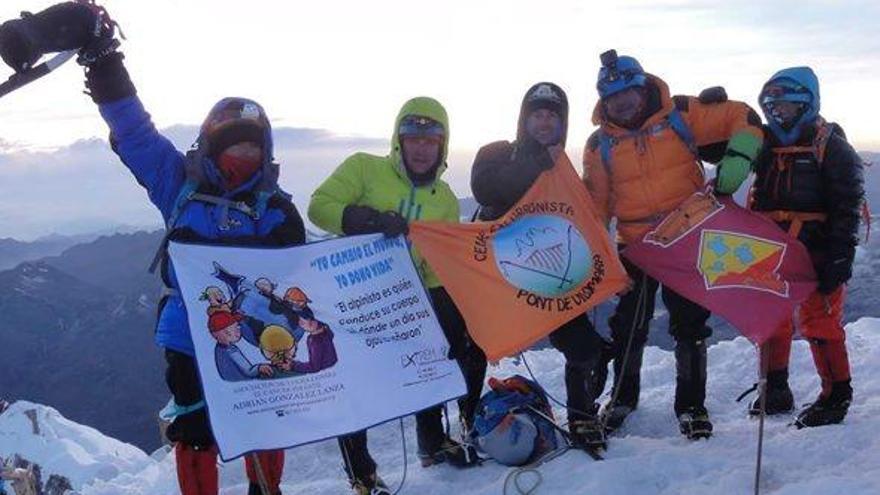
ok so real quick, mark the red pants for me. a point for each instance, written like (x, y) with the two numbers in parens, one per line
(196, 470)
(272, 463)
(821, 322)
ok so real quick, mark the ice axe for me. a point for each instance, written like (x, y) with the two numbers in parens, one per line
(78, 27)
(20, 79)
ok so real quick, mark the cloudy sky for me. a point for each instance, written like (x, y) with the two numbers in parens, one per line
(336, 72)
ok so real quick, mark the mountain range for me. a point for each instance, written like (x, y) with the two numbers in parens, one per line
(77, 328)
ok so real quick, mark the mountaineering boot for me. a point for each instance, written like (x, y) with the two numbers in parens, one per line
(779, 398)
(371, 485)
(460, 455)
(694, 423)
(587, 432)
(613, 416)
(690, 379)
(827, 410)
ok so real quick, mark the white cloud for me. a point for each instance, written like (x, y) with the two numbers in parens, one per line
(348, 65)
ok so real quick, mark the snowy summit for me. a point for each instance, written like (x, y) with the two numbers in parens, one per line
(647, 456)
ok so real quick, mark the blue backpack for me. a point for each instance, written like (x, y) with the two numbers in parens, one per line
(513, 422)
(672, 121)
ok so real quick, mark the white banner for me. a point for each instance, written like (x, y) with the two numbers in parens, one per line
(301, 344)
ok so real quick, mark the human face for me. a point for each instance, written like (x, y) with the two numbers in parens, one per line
(544, 126)
(784, 112)
(420, 153)
(624, 107)
(228, 335)
(239, 162)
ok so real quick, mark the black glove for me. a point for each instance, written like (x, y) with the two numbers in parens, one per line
(530, 150)
(61, 27)
(357, 219)
(834, 274)
(392, 224)
(715, 94)
(108, 80)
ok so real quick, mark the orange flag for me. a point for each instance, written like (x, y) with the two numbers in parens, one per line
(518, 278)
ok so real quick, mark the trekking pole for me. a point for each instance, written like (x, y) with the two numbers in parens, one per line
(763, 356)
(261, 475)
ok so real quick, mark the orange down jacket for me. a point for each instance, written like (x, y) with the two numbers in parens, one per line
(653, 172)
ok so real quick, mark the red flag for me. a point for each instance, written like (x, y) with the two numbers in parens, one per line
(518, 278)
(732, 261)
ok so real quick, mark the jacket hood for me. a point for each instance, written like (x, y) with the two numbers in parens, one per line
(246, 109)
(543, 95)
(806, 78)
(666, 106)
(422, 106)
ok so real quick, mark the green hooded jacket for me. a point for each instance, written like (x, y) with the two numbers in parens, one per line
(381, 182)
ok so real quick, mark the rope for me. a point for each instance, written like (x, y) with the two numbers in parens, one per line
(532, 468)
(641, 306)
(349, 468)
(405, 462)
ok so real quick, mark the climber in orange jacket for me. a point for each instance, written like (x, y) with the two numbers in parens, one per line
(641, 163)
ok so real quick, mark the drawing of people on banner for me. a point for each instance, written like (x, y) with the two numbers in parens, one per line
(240, 335)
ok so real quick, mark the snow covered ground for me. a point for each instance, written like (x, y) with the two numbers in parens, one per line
(648, 457)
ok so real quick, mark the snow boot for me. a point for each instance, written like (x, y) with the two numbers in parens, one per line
(460, 455)
(827, 410)
(613, 416)
(587, 433)
(779, 397)
(694, 423)
(371, 485)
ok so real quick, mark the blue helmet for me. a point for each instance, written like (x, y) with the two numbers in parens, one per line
(794, 85)
(618, 74)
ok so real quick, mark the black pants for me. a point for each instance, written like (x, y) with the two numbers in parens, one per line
(429, 423)
(182, 378)
(578, 341)
(687, 325)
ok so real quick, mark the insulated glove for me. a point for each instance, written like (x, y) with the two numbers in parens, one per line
(392, 224)
(834, 274)
(715, 94)
(734, 168)
(535, 152)
(358, 219)
(732, 172)
(65, 26)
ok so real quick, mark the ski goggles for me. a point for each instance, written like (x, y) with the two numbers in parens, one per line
(417, 125)
(785, 90)
(235, 111)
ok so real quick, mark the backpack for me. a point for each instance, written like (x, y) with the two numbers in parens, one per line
(817, 148)
(513, 422)
(195, 178)
(672, 121)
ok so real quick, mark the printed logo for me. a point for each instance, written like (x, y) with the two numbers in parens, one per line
(424, 357)
(543, 254)
(732, 260)
(544, 92)
(250, 111)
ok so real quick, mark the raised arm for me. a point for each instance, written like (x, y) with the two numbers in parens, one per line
(151, 158)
